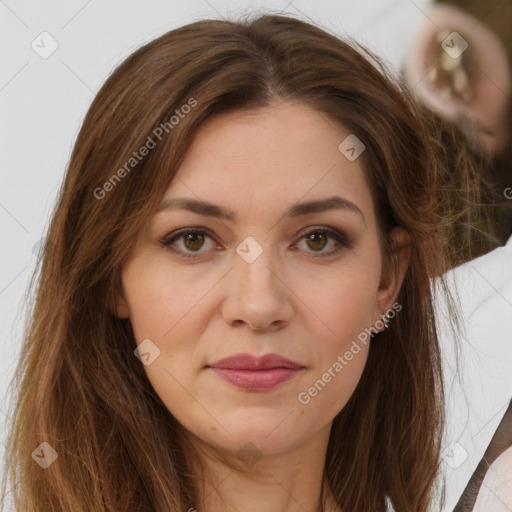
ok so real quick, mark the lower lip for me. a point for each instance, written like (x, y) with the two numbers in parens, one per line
(256, 380)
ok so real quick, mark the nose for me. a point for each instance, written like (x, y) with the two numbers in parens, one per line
(257, 296)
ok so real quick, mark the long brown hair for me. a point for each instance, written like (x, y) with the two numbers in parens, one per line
(79, 386)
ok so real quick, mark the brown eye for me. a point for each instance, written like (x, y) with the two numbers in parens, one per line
(323, 241)
(193, 241)
(316, 241)
(186, 242)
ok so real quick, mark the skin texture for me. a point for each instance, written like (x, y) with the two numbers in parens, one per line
(290, 300)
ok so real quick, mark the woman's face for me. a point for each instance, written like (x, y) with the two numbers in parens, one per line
(239, 274)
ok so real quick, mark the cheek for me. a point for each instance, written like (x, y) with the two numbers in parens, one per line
(327, 393)
(340, 358)
(161, 299)
(344, 302)
(160, 311)
(169, 308)
(345, 305)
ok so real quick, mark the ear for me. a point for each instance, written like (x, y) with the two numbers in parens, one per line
(458, 67)
(393, 275)
(119, 306)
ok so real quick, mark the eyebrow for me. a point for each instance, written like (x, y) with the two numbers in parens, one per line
(297, 210)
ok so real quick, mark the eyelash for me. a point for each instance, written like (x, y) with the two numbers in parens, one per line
(343, 242)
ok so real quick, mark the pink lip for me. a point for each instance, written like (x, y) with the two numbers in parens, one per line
(256, 373)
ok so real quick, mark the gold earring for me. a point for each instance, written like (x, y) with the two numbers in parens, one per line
(386, 318)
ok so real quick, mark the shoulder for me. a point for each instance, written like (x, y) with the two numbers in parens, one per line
(485, 279)
(477, 373)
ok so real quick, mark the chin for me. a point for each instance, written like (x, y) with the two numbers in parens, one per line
(254, 431)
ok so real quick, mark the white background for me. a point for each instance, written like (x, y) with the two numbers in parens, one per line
(43, 102)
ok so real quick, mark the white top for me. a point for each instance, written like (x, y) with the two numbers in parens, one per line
(478, 396)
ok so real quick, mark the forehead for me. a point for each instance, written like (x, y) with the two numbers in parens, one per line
(260, 159)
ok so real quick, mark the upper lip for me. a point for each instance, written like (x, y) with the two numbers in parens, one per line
(247, 361)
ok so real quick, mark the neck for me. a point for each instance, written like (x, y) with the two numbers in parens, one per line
(264, 481)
